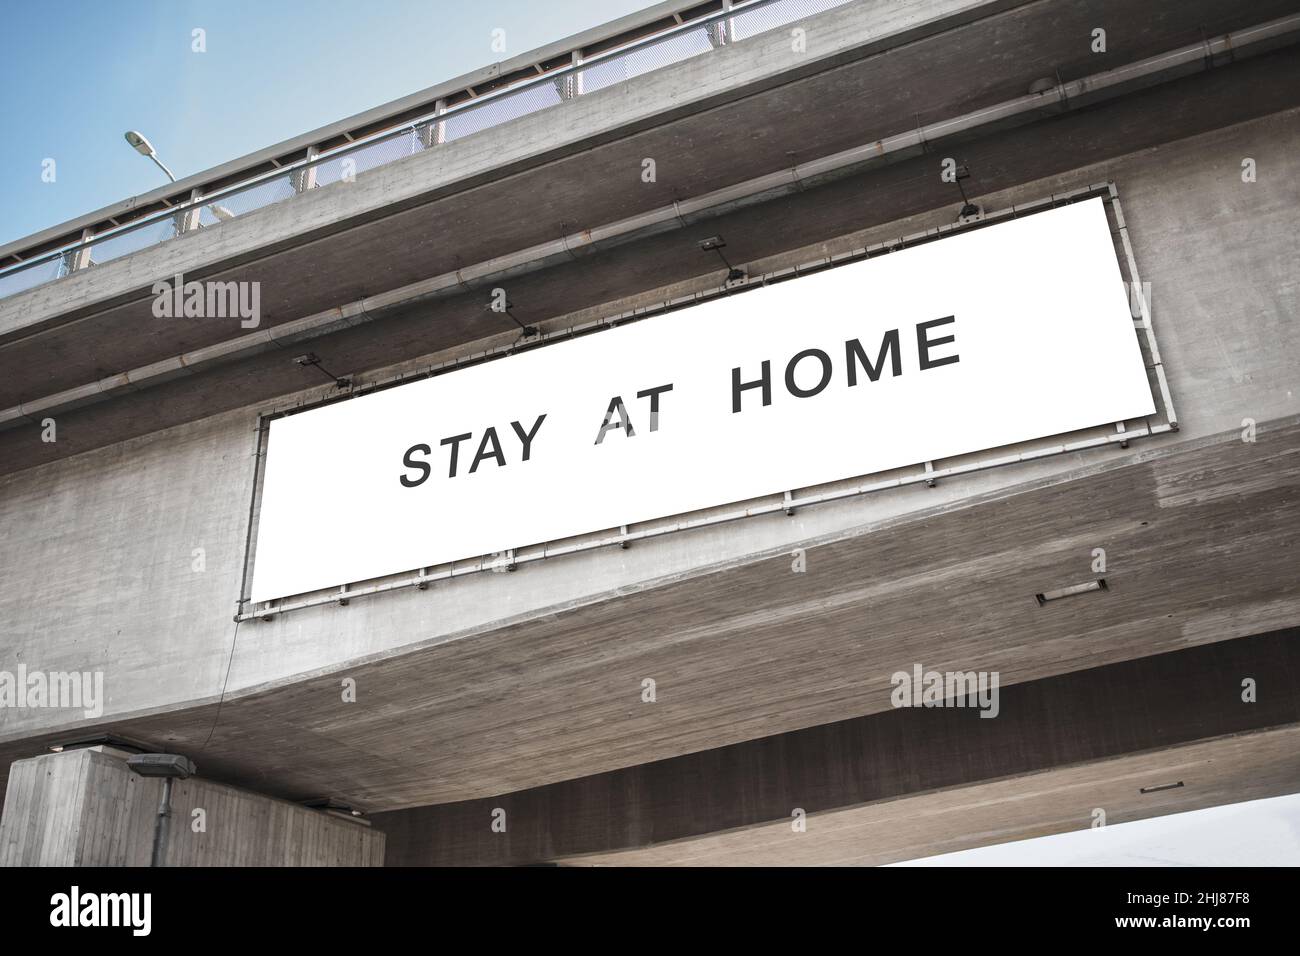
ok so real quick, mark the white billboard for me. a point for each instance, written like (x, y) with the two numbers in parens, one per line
(999, 335)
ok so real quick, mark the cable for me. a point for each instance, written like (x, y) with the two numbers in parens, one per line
(224, 684)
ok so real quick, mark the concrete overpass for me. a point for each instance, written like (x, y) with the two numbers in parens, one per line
(522, 691)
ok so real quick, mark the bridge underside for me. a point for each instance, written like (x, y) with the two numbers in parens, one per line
(915, 782)
(1201, 537)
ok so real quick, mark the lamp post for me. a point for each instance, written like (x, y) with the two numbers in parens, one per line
(145, 148)
(142, 146)
(170, 767)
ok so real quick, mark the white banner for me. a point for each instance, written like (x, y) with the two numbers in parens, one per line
(991, 337)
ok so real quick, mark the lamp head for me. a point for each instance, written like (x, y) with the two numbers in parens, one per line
(139, 143)
(162, 765)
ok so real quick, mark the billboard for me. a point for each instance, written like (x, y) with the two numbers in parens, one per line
(998, 335)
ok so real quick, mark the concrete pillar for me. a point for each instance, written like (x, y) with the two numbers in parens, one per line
(84, 807)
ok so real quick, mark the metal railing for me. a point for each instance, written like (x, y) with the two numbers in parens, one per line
(444, 125)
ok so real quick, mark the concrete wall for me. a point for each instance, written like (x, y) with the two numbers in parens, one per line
(86, 808)
(97, 552)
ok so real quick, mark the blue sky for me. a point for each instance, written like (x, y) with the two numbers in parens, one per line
(78, 73)
(1256, 833)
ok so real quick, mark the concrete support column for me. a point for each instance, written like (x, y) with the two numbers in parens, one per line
(84, 807)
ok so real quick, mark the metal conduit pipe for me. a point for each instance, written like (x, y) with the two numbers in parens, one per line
(1067, 96)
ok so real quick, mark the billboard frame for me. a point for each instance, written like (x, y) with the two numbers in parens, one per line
(789, 503)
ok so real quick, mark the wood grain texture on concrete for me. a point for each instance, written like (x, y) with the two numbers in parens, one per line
(1148, 706)
(1225, 770)
(98, 549)
(1201, 543)
(84, 807)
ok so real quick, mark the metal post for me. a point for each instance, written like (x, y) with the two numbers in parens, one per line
(722, 32)
(304, 179)
(80, 258)
(160, 825)
(569, 86)
(1145, 308)
(187, 220)
(435, 131)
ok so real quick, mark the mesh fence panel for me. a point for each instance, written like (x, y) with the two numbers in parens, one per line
(133, 240)
(329, 171)
(778, 13)
(653, 56)
(28, 277)
(371, 156)
(247, 200)
(500, 109)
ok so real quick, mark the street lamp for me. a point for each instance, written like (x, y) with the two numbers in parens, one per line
(145, 148)
(170, 767)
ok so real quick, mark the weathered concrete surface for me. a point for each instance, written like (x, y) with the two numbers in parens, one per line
(86, 808)
(1200, 541)
(892, 785)
(1224, 770)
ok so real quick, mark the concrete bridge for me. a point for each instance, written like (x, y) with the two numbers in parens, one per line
(581, 180)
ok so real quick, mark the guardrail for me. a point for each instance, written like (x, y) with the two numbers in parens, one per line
(443, 125)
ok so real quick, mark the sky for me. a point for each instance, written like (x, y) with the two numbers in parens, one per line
(77, 74)
(1255, 833)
